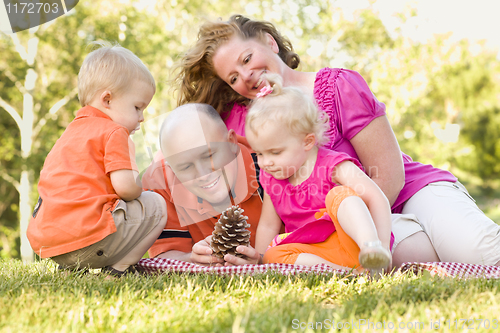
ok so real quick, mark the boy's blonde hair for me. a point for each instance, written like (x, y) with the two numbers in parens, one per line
(110, 67)
(290, 107)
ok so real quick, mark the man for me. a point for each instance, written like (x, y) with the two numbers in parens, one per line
(202, 170)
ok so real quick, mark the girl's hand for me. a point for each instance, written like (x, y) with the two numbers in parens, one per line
(253, 257)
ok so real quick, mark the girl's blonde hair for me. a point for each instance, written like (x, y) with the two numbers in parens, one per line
(110, 67)
(287, 106)
(197, 79)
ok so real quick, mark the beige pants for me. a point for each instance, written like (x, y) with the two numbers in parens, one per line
(457, 228)
(134, 220)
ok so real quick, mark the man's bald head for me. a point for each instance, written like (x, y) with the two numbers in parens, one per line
(201, 152)
(197, 123)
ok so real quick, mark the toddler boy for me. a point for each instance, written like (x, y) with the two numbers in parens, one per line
(91, 211)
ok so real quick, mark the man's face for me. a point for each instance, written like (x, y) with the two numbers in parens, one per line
(198, 155)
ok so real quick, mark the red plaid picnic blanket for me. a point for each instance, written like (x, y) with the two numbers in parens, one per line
(454, 269)
(442, 269)
(157, 265)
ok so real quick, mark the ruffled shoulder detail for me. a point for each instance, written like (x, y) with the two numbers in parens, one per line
(346, 98)
(324, 93)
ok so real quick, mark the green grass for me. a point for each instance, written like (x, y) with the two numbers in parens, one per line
(37, 298)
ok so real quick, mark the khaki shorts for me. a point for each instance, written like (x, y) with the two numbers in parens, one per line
(134, 220)
(403, 226)
(457, 228)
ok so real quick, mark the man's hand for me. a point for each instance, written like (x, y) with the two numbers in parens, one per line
(202, 253)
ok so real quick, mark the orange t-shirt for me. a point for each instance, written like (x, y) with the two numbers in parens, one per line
(191, 219)
(76, 195)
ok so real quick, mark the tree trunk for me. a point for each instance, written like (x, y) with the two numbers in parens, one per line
(25, 214)
(26, 145)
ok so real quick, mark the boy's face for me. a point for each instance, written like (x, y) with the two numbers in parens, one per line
(128, 107)
(199, 154)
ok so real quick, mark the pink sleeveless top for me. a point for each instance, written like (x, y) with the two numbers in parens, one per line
(297, 205)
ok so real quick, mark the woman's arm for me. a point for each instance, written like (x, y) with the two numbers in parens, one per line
(348, 174)
(269, 225)
(378, 151)
(177, 255)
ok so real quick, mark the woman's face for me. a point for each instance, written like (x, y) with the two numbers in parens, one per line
(241, 63)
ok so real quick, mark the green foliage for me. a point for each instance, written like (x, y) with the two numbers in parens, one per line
(482, 132)
(158, 34)
(365, 38)
(61, 48)
(425, 86)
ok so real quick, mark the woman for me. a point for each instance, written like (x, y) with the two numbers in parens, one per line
(224, 69)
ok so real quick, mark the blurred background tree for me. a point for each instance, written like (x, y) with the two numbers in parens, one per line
(442, 96)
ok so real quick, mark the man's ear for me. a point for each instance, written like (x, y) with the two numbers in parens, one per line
(309, 141)
(105, 99)
(231, 138)
(272, 43)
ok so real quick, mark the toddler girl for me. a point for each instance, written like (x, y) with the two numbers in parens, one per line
(332, 211)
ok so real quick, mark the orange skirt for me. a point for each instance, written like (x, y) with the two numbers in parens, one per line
(338, 248)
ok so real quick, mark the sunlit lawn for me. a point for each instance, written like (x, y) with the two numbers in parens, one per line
(37, 298)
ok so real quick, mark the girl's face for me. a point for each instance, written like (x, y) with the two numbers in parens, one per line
(241, 63)
(279, 152)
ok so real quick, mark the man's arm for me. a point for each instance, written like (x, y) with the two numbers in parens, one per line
(201, 254)
(181, 247)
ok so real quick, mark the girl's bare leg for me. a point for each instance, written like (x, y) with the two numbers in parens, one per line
(308, 259)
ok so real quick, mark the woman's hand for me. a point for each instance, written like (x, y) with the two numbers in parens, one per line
(253, 257)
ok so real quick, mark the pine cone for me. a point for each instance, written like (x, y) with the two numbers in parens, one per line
(230, 231)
